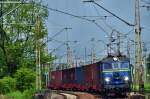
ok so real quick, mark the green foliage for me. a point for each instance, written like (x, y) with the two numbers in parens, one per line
(28, 94)
(25, 78)
(148, 68)
(3, 67)
(15, 95)
(7, 84)
(147, 86)
(18, 48)
(148, 64)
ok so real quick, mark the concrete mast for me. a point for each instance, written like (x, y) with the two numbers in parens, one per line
(38, 65)
(138, 48)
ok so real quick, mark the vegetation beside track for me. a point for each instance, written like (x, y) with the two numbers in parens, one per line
(17, 49)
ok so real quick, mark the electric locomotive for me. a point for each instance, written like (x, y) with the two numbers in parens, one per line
(116, 74)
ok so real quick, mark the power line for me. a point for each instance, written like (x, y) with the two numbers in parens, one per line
(147, 2)
(9, 2)
(92, 1)
(12, 2)
(109, 26)
(76, 16)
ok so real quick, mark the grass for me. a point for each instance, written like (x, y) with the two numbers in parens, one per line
(15, 95)
(146, 87)
(27, 94)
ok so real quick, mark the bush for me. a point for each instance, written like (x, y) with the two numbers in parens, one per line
(25, 78)
(15, 95)
(147, 86)
(7, 84)
(28, 94)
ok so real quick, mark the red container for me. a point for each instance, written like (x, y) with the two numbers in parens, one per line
(91, 76)
(71, 75)
(56, 79)
(68, 76)
(95, 74)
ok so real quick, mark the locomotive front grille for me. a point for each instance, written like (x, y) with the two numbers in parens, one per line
(116, 75)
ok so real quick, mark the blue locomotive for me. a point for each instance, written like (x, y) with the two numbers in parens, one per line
(116, 74)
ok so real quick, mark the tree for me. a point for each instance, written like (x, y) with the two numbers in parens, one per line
(148, 63)
(25, 78)
(148, 67)
(18, 47)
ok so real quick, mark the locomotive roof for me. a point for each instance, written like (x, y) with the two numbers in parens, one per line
(111, 58)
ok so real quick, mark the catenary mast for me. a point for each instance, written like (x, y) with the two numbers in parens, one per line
(38, 65)
(138, 78)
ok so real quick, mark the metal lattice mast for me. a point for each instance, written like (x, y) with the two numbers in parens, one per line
(144, 62)
(69, 56)
(118, 43)
(138, 47)
(38, 66)
(1, 20)
(128, 48)
(69, 51)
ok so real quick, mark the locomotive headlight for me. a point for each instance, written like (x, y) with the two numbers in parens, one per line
(126, 78)
(107, 79)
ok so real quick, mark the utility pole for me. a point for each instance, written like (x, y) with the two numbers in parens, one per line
(138, 49)
(38, 65)
(69, 52)
(145, 62)
(93, 56)
(128, 48)
(69, 56)
(85, 55)
(118, 44)
(1, 20)
(1, 14)
(111, 40)
(47, 65)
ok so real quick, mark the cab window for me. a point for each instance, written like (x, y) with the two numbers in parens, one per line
(107, 66)
(115, 65)
(124, 65)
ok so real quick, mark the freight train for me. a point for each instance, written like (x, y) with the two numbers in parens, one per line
(111, 74)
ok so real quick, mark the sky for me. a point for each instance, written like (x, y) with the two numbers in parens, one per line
(87, 33)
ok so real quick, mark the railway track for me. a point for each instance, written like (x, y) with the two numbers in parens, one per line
(59, 94)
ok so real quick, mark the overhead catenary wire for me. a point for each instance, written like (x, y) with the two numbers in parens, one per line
(52, 38)
(10, 11)
(124, 35)
(109, 26)
(147, 2)
(92, 1)
(12, 2)
(76, 16)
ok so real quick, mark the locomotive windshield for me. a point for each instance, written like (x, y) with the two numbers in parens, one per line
(124, 65)
(116, 65)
